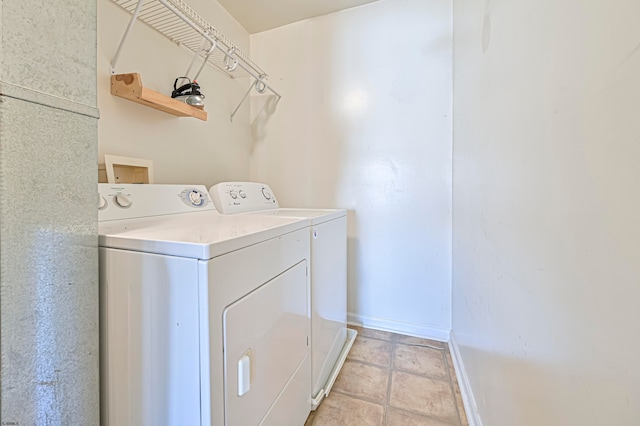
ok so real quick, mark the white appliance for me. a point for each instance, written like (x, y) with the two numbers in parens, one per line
(204, 317)
(330, 338)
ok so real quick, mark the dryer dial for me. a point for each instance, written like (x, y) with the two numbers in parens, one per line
(102, 202)
(266, 193)
(196, 198)
(122, 200)
(193, 197)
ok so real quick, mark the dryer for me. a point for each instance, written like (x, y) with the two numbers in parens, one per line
(331, 340)
(204, 317)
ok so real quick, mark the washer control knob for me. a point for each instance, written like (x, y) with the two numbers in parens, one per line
(233, 194)
(122, 200)
(196, 198)
(242, 194)
(266, 193)
(102, 203)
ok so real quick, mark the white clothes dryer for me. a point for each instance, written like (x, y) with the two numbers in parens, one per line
(204, 317)
(331, 340)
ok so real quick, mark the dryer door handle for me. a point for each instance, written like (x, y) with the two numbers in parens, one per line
(244, 374)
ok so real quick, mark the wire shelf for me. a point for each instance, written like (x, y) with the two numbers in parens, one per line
(182, 25)
(178, 22)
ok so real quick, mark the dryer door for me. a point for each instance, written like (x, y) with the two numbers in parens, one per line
(267, 354)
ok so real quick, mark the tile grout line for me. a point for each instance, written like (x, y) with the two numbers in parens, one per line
(390, 378)
(358, 397)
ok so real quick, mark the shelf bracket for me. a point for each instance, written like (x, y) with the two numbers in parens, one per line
(243, 99)
(260, 87)
(134, 17)
(204, 60)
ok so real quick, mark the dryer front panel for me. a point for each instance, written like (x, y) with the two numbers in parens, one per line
(227, 279)
(149, 339)
(266, 346)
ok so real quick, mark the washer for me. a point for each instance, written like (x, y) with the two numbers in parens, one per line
(204, 317)
(331, 340)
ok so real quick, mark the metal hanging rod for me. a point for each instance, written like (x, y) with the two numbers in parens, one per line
(182, 25)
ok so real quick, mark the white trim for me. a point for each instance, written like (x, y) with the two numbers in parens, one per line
(470, 406)
(351, 337)
(407, 328)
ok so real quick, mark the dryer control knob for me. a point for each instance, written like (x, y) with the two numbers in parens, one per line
(102, 203)
(233, 194)
(196, 198)
(266, 193)
(122, 200)
(242, 194)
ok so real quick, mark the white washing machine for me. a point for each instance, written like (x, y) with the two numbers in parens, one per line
(331, 340)
(205, 318)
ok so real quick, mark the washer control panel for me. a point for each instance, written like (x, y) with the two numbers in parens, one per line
(239, 197)
(129, 201)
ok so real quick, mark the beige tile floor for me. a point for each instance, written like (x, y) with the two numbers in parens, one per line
(393, 380)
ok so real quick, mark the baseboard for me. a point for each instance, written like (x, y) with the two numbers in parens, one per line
(470, 406)
(409, 329)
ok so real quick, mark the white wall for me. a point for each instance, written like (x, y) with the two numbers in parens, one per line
(364, 123)
(184, 150)
(546, 252)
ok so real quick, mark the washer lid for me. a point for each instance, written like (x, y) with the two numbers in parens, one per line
(315, 216)
(199, 235)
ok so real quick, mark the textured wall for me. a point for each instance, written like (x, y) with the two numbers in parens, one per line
(546, 253)
(48, 258)
(50, 47)
(364, 123)
(48, 229)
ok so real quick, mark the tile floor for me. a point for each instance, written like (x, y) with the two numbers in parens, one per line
(393, 380)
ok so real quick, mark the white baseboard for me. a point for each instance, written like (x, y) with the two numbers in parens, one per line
(407, 328)
(470, 406)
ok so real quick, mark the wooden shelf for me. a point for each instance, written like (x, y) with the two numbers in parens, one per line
(129, 86)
